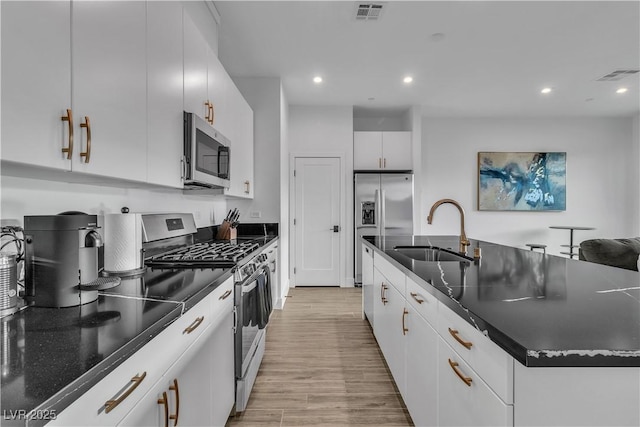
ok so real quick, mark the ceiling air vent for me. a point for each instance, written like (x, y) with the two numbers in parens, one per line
(616, 75)
(368, 11)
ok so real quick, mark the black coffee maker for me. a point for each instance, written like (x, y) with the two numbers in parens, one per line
(63, 260)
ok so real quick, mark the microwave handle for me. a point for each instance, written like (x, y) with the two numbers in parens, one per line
(223, 151)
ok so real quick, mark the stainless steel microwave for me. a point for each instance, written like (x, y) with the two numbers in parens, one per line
(206, 155)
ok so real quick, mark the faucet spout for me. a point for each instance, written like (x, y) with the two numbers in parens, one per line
(464, 242)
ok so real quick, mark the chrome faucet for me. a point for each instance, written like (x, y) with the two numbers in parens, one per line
(464, 242)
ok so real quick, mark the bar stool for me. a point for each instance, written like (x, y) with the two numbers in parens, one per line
(533, 246)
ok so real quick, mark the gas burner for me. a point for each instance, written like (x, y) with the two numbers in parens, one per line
(213, 254)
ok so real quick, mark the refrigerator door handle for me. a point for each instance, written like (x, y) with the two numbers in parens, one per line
(383, 213)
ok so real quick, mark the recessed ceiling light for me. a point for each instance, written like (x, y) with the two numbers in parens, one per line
(437, 37)
(317, 79)
(371, 99)
(621, 90)
(546, 90)
(408, 79)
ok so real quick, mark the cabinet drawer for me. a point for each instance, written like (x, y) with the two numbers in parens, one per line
(423, 302)
(221, 301)
(492, 363)
(467, 403)
(393, 275)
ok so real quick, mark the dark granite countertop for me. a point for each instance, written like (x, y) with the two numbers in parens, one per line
(544, 310)
(51, 356)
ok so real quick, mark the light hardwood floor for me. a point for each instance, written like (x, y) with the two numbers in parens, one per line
(322, 367)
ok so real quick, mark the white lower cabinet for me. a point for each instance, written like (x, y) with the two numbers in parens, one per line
(421, 348)
(368, 294)
(191, 361)
(464, 399)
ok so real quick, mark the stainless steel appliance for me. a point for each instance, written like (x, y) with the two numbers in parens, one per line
(383, 206)
(206, 155)
(253, 295)
(63, 259)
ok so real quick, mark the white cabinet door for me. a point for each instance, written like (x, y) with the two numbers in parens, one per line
(241, 136)
(367, 150)
(421, 347)
(463, 397)
(109, 93)
(368, 295)
(389, 321)
(36, 82)
(165, 87)
(396, 151)
(222, 370)
(217, 93)
(181, 397)
(195, 69)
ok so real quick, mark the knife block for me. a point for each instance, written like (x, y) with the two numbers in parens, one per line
(226, 232)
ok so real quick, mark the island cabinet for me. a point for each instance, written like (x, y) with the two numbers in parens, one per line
(368, 295)
(450, 373)
(170, 377)
(385, 151)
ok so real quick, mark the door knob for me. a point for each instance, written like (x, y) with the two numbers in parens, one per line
(336, 229)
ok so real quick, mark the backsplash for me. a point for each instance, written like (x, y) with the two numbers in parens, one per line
(22, 197)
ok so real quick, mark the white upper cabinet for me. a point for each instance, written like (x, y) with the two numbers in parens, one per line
(241, 136)
(36, 82)
(218, 86)
(195, 70)
(109, 83)
(384, 151)
(164, 93)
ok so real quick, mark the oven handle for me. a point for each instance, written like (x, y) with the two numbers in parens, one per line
(249, 287)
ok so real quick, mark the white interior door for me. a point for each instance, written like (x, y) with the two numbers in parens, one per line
(317, 212)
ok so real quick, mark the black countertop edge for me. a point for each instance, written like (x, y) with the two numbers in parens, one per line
(526, 357)
(69, 394)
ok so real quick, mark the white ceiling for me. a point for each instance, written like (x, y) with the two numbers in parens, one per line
(494, 59)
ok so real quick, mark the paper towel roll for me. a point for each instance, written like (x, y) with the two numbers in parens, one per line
(122, 242)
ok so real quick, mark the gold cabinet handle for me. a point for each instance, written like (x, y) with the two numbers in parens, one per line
(87, 154)
(247, 185)
(193, 326)
(454, 366)
(165, 402)
(225, 295)
(112, 403)
(404, 326)
(454, 333)
(69, 118)
(174, 388)
(415, 297)
(212, 112)
(379, 162)
(208, 105)
(383, 288)
(384, 163)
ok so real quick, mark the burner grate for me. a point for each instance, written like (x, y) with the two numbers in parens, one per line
(207, 253)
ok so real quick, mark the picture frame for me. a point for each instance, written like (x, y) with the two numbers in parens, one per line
(522, 181)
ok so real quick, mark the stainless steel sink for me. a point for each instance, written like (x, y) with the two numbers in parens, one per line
(430, 253)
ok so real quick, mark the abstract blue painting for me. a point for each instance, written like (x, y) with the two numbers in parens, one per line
(515, 181)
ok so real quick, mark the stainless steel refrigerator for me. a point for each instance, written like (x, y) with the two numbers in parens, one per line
(383, 206)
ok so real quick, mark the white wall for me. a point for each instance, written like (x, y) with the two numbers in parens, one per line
(327, 130)
(23, 196)
(602, 178)
(635, 172)
(285, 231)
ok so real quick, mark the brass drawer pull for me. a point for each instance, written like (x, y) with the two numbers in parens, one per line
(404, 327)
(165, 402)
(225, 295)
(415, 297)
(175, 389)
(384, 164)
(212, 112)
(454, 366)
(208, 105)
(69, 118)
(87, 154)
(379, 162)
(193, 326)
(383, 288)
(454, 333)
(112, 403)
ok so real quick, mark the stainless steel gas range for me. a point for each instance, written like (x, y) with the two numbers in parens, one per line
(173, 247)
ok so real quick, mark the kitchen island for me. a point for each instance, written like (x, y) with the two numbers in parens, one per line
(543, 340)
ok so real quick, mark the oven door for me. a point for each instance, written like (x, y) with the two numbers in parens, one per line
(252, 315)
